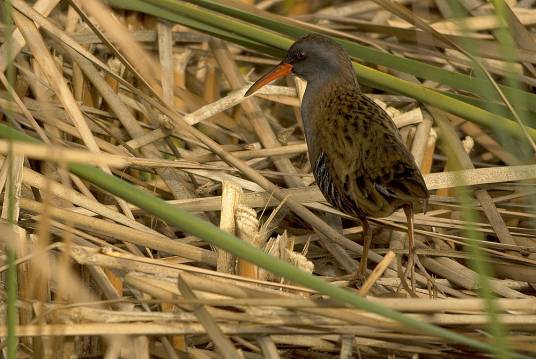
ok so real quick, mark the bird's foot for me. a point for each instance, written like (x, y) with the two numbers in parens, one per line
(410, 272)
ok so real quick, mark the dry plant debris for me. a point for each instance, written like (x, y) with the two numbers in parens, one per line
(98, 277)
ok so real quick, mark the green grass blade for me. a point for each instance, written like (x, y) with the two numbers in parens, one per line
(478, 259)
(12, 313)
(278, 43)
(212, 234)
(294, 30)
(191, 23)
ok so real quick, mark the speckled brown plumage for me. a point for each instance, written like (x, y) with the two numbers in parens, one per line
(359, 161)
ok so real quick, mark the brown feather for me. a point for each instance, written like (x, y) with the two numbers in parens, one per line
(373, 173)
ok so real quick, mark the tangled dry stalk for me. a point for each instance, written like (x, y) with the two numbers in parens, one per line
(98, 277)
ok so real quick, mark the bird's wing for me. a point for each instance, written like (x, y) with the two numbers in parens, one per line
(394, 171)
(368, 159)
(407, 186)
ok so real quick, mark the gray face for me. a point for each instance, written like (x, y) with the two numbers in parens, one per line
(315, 56)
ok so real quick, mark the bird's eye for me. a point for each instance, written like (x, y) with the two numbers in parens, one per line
(300, 55)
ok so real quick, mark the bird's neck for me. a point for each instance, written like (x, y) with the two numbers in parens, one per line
(318, 92)
(332, 78)
(324, 86)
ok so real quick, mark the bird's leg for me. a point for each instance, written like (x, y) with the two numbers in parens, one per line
(408, 210)
(367, 238)
(338, 253)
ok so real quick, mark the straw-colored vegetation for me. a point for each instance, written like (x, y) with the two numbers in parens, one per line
(125, 142)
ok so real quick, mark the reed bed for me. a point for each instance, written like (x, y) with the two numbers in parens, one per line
(125, 140)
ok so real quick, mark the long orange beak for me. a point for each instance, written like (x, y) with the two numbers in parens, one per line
(281, 70)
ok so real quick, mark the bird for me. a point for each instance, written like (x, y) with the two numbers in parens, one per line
(358, 158)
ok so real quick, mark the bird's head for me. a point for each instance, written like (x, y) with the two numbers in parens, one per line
(313, 57)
